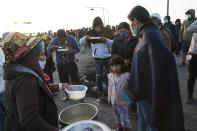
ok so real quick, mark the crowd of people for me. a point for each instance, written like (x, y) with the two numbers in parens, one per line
(139, 59)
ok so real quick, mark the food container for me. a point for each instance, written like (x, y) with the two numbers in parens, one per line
(78, 112)
(189, 57)
(76, 92)
(95, 38)
(62, 50)
(87, 125)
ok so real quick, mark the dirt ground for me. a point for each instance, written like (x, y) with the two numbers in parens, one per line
(105, 111)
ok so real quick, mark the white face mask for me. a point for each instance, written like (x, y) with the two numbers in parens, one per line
(42, 64)
(165, 21)
(188, 16)
(135, 30)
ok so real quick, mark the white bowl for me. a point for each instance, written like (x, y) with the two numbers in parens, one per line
(95, 38)
(76, 92)
(62, 50)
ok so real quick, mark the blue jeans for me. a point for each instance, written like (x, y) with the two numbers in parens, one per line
(2, 111)
(144, 116)
(99, 65)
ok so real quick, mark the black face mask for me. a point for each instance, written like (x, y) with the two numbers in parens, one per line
(124, 35)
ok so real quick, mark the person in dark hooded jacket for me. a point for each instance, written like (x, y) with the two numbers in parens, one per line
(153, 78)
(29, 102)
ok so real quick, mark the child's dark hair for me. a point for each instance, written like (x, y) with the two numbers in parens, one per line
(118, 60)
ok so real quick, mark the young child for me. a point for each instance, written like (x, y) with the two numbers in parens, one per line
(117, 93)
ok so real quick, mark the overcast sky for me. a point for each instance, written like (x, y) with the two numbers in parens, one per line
(67, 14)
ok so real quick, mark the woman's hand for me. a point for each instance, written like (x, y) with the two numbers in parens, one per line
(62, 86)
(58, 86)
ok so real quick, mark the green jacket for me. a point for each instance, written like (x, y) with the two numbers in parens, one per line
(184, 35)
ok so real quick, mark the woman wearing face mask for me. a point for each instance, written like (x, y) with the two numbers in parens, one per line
(49, 63)
(42, 63)
(124, 44)
(30, 106)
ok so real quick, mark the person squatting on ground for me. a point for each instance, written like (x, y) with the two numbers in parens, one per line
(185, 36)
(118, 94)
(29, 102)
(153, 78)
(101, 50)
(65, 60)
(192, 68)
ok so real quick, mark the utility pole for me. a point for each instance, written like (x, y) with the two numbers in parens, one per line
(103, 9)
(167, 7)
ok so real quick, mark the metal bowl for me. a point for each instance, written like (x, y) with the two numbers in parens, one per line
(78, 112)
(87, 125)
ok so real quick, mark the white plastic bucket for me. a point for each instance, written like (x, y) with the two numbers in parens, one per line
(76, 92)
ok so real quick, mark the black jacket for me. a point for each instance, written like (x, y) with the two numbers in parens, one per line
(30, 106)
(124, 48)
(154, 78)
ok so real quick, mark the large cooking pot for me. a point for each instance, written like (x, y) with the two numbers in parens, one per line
(78, 112)
(87, 125)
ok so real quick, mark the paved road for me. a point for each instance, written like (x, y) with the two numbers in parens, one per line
(190, 111)
(105, 111)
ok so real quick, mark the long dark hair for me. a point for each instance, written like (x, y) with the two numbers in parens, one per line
(118, 60)
(125, 25)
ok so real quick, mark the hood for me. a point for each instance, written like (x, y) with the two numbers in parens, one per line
(97, 22)
(190, 11)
